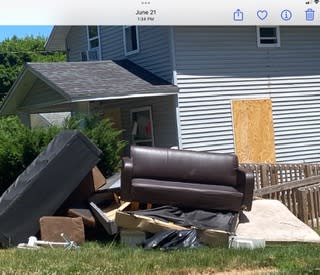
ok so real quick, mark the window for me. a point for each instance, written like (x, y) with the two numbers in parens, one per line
(142, 127)
(268, 37)
(130, 39)
(93, 37)
(93, 52)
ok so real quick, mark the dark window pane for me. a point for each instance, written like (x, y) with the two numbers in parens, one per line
(94, 43)
(134, 38)
(93, 31)
(131, 39)
(268, 32)
(268, 41)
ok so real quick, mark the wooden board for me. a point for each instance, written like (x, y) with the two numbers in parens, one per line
(253, 131)
(114, 114)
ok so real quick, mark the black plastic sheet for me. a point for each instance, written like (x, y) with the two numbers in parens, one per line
(225, 221)
(173, 239)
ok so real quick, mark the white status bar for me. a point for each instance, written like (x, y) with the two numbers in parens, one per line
(160, 12)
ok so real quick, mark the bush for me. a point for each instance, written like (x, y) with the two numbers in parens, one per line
(104, 136)
(19, 145)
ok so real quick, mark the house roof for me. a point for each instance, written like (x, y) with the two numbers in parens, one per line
(85, 81)
(72, 82)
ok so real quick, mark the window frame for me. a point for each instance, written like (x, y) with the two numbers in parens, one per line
(126, 51)
(137, 141)
(98, 48)
(272, 45)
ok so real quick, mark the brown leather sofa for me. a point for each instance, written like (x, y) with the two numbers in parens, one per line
(187, 179)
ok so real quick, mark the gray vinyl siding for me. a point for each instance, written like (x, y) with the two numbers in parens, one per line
(163, 114)
(41, 94)
(154, 54)
(111, 39)
(77, 42)
(218, 64)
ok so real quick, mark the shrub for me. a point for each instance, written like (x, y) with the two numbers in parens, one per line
(104, 136)
(19, 145)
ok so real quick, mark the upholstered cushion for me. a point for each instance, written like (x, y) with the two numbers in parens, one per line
(186, 194)
(184, 166)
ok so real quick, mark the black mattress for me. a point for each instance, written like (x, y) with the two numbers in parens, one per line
(45, 185)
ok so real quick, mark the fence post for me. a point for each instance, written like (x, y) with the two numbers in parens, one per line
(303, 206)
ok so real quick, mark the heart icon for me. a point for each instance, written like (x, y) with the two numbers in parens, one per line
(262, 14)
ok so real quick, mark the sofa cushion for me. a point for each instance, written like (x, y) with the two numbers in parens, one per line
(184, 166)
(186, 195)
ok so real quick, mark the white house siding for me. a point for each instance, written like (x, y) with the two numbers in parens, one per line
(154, 54)
(76, 43)
(218, 64)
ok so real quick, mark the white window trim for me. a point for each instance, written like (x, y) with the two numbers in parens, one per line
(135, 110)
(276, 45)
(98, 49)
(125, 44)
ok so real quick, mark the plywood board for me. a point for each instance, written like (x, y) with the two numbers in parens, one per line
(253, 131)
(114, 114)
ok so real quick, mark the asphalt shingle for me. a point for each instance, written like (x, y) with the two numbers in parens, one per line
(101, 79)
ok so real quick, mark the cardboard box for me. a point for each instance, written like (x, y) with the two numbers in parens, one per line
(51, 228)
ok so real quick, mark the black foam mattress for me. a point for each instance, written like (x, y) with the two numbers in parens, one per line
(45, 185)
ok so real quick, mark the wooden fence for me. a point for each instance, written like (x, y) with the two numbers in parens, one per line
(295, 185)
(274, 174)
(309, 204)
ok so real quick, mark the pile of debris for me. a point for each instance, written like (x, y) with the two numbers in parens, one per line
(63, 199)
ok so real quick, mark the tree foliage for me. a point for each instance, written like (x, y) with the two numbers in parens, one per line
(104, 136)
(20, 145)
(15, 52)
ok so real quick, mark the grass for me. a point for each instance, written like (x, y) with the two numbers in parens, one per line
(98, 258)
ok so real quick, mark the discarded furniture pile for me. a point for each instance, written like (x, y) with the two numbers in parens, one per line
(295, 185)
(167, 198)
(200, 186)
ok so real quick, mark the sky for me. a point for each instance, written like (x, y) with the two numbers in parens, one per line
(22, 31)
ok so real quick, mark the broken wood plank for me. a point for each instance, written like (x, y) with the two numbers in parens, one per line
(286, 186)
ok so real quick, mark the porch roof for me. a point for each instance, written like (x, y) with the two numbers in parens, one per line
(47, 84)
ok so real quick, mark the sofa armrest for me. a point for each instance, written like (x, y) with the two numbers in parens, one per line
(126, 178)
(245, 184)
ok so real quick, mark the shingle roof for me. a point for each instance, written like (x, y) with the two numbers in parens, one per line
(100, 79)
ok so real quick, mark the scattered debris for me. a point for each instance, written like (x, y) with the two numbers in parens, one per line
(34, 243)
(63, 191)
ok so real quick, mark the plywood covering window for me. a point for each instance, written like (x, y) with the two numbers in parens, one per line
(268, 37)
(142, 126)
(253, 131)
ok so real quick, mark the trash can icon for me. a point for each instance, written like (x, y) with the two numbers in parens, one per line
(309, 14)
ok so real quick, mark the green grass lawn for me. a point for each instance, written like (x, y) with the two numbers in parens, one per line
(98, 258)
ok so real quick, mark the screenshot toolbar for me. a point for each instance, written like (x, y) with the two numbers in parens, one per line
(162, 12)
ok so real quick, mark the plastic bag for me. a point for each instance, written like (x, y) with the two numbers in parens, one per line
(173, 239)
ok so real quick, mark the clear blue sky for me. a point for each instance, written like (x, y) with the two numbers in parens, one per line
(22, 31)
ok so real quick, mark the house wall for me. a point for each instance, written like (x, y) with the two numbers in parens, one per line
(218, 64)
(40, 94)
(154, 54)
(77, 42)
(163, 115)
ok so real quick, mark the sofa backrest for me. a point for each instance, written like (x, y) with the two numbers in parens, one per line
(182, 165)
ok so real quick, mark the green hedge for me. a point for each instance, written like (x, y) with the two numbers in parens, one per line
(19, 145)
